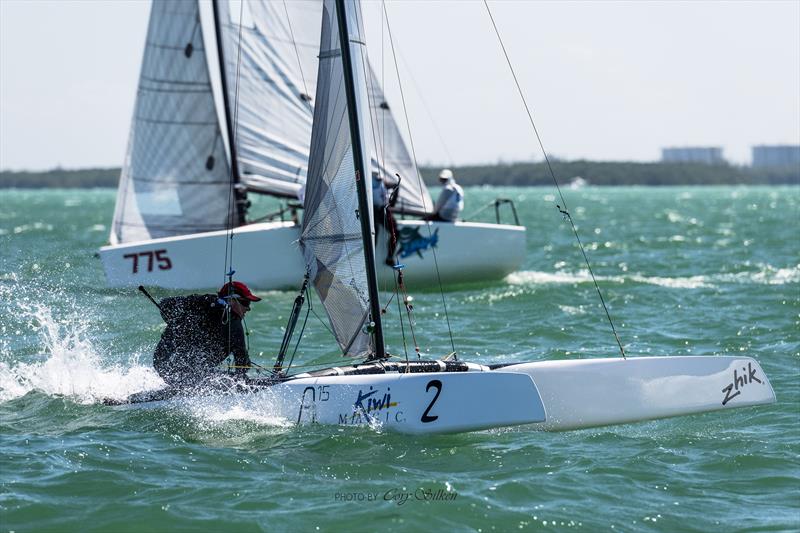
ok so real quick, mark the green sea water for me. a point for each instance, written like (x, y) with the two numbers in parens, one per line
(701, 271)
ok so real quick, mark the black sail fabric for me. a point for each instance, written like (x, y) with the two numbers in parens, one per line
(331, 237)
(175, 179)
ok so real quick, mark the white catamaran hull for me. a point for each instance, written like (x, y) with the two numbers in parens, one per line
(267, 256)
(599, 392)
(551, 395)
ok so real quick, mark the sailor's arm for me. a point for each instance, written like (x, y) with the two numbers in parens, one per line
(239, 347)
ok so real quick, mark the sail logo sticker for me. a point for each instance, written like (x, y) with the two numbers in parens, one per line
(733, 389)
(412, 242)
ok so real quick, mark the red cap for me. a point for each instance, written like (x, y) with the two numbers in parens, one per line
(240, 289)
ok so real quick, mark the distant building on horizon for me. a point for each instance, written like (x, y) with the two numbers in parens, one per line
(776, 155)
(710, 155)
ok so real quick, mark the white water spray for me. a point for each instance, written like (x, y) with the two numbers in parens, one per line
(72, 366)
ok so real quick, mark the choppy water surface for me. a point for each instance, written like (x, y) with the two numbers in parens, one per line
(684, 271)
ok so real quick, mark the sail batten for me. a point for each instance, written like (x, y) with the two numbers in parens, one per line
(270, 70)
(176, 138)
(175, 176)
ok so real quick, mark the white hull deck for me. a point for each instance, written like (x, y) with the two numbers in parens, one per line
(267, 256)
(550, 395)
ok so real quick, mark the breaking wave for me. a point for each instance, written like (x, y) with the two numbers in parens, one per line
(69, 365)
(66, 363)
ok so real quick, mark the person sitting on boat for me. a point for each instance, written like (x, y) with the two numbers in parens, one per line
(382, 203)
(202, 331)
(451, 200)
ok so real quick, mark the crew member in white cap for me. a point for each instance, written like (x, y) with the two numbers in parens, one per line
(451, 199)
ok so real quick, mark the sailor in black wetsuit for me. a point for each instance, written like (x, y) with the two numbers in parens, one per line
(202, 331)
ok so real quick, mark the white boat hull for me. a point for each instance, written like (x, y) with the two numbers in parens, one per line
(434, 402)
(550, 395)
(600, 392)
(267, 256)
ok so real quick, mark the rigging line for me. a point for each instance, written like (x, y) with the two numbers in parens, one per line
(419, 177)
(563, 211)
(231, 196)
(323, 323)
(390, 233)
(300, 336)
(400, 314)
(408, 306)
(367, 161)
(375, 107)
(427, 109)
(296, 53)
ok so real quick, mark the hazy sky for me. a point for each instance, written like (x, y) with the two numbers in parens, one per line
(606, 80)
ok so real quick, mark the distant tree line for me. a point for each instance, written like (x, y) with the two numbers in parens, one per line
(516, 174)
(67, 179)
(618, 173)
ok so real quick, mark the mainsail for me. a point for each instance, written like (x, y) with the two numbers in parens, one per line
(175, 179)
(277, 77)
(176, 176)
(271, 71)
(331, 236)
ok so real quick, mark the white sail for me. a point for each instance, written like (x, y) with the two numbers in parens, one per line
(331, 237)
(270, 80)
(392, 157)
(276, 72)
(175, 179)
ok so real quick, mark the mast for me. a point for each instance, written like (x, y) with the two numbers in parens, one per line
(361, 177)
(240, 201)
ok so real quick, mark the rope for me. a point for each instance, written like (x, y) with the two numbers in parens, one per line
(296, 52)
(400, 314)
(302, 330)
(409, 313)
(563, 210)
(419, 176)
(231, 200)
(380, 140)
(337, 362)
(229, 257)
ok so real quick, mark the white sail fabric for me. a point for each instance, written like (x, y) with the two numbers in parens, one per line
(392, 157)
(277, 77)
(275, 74)
(175, 179)
(331, 237)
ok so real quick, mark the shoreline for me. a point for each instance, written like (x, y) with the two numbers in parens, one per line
(514, 174)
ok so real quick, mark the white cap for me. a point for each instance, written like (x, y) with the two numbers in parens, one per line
(446, 174)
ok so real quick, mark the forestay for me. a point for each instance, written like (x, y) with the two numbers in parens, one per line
(331, 237)
(175, 178)
(271, 81)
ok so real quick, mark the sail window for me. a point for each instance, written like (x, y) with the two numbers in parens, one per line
(160, 202)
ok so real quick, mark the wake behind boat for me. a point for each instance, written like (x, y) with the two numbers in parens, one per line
(414, 395)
